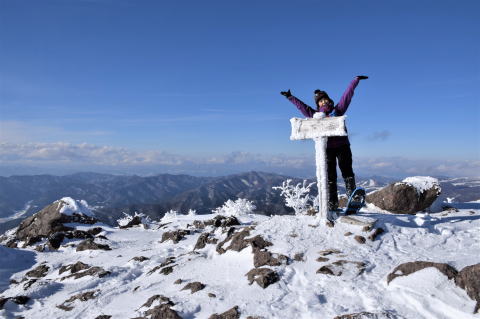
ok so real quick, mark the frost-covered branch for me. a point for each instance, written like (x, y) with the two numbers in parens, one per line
(296, 197)
(237, 208)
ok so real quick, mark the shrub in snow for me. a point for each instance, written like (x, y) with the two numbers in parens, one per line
(192, 212)
(170, 216)
(131, 220)
(296, 196)
(238, 207)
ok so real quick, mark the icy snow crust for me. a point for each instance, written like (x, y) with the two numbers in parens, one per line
(71, 206)
(300, 293)
(422, 183)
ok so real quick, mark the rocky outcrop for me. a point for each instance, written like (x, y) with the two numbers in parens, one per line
(50, 220)
(67, 304)
(469, 279)
(264, 277)
(404, 197)
(368, 315)
(411, 267)
(229, 314)
(90, 244)
(19, 300)
(175, 235)
(40, 271)
(194, 286)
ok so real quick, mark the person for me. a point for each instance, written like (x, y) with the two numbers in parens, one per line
(338, 147)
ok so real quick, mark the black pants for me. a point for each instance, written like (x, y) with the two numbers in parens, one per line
(344, 156)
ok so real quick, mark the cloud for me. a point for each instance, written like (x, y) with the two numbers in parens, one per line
(68, 158)
(379, 136)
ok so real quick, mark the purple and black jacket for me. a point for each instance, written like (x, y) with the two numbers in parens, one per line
(338, 110)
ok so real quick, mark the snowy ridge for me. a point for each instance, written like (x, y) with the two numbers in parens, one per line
(147, 261)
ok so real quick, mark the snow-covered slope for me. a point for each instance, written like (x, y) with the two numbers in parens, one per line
(328, 271)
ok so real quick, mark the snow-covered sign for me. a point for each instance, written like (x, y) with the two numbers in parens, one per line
(319, 128)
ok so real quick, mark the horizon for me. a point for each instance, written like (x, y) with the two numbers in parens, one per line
(147, 87)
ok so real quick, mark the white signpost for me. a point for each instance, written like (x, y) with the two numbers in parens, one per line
(319, 128)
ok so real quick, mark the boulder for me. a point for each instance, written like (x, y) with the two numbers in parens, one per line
(469, 279)
(194, 286)
(90, 244)
(408, 268)
(52, 218)
(368, 315)
(264, 277)
(407, 197)
(229, 314)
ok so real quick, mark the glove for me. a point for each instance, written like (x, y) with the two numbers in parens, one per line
(286, 94)
(362, 77)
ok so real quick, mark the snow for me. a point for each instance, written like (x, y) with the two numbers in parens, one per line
(422, 183)
(71, 206)
(239, 207)
(300, 293)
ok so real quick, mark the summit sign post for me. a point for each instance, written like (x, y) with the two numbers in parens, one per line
(319, 128)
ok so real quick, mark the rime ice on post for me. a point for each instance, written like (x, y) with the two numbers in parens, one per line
(319, 128)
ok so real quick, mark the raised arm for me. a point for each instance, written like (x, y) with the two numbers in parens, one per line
(344, 102)
(302, 107)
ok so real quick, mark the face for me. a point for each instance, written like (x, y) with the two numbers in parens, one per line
(323, 102)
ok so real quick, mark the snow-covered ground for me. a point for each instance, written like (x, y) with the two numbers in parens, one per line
(447, 237)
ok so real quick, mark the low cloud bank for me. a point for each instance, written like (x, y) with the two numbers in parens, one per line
(64, 158)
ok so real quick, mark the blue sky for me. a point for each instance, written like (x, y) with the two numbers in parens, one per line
(202, 78)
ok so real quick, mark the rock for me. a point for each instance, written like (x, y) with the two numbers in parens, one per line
(204, 239)
(19, 300)
(322, 259)
(91, 271)
(166, 270)
(298, 257)
(95, 231)
(258, 242)
(375, 233)
(408, 268)
(328, 223)
(162, 299)
(175, 235)
(194, 286)
(264, 277)
(140, 258)
(178, 282)
(469, 279)
(73, 267)
(404, 197)
(90, 244)
(229, 314)
(329, 252)
(367, 228)
(48, 221)
(103, 317)
(40, 271)
(348, 233)
(357, 220)
(368, 315)
(66, 305)
(238, 242)
(222, 221)
(264, 257)
(135, 221)
(360, 239)
(162, 311)
(212, 295)
(56, 239)
(339, 267)
(325, 270)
